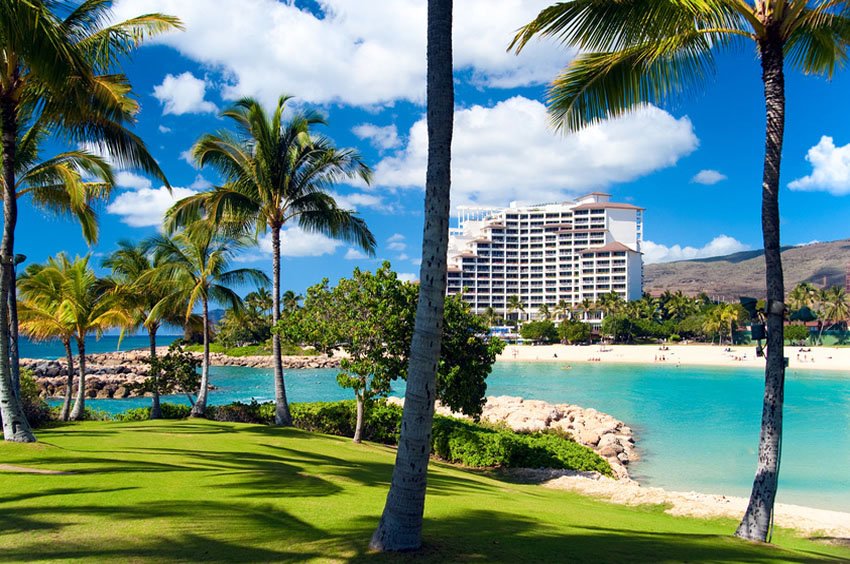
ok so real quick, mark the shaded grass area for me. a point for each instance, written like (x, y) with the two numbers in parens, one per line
(199, 490)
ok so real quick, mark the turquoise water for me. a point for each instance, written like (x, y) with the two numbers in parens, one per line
(696, 428)
(109, 343)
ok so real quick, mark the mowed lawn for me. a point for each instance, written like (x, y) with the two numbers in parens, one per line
(205, 491)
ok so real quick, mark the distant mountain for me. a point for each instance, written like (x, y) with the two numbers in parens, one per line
(742, 274)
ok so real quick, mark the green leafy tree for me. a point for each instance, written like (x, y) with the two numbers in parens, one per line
(400, 527)
(196, 262)
(633, 53)
(276, 173)
(174, 372)
(539, 331)
(834, 307)
(803, 295)
(563, 310)
(796, 333)
(574, 331)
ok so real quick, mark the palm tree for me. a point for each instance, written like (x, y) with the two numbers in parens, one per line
(803, 295)
(276, 173)
(291, 300)
(634, 52)
(544, 312)
(42, 318)
(611, 303)
(139, 290)
(261, 300)
(514, 304)
(834, 306)
(195, 262)
(400, 527)
(563, 310)
(60, 74)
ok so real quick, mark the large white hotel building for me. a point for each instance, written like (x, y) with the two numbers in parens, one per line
(546, 253)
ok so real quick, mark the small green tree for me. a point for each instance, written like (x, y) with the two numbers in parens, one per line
(539, 331)
(177, 372)
(796, 333)
(574, 331)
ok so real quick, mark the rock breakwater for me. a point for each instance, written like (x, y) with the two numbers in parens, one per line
(112, 375)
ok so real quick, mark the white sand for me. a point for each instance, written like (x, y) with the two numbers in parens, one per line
(807, 520)
(813, 358)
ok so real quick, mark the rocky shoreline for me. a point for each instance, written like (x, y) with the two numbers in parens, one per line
(610, 438)
(112, 375)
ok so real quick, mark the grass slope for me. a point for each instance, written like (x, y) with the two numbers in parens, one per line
(204, 491)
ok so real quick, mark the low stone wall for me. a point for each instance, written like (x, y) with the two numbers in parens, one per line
(609, 437)
(108, 375)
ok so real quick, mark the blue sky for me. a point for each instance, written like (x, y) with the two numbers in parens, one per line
(695, 166)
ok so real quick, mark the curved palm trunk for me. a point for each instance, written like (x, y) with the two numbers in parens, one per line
(15, 424)
(758, 518)
(281, 413)
(79, 411)
(156, 410)
(69, 386)
(201, 403)
(400, 527)
(14, 351)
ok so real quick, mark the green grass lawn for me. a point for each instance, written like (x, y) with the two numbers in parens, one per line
(205, 491)
(254, 350)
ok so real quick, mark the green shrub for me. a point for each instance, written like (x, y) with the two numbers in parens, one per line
(169, 411)
(238, 412)
(675, 338)
(36, 409)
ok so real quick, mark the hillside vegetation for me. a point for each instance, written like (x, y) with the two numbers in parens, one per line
(200, 490)
(742, 274)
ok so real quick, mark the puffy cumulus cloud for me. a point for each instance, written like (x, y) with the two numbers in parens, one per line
(125, 179)
(355, 254)
(708, 177)
(508, 152)
(183, 94)
(408, 277)
(357, 200)
(719, 246)
(381, 138)
(295, 242)
(356, 56)
(164, 129)
(830, 169)
(396, 242)
(146, 207)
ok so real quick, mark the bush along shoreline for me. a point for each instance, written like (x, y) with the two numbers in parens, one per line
(469, 444)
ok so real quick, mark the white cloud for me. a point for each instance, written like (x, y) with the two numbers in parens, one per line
(354, 254)
(163, 129)
(408, 277)
(719, 246)
(382, 138)
(830, 169)
(357, 200)
(187, 157)
(361, 52)
(124, 179)
(183, 94)
(146, 207)
(295, 242)
(708, 177)
(416, 262)
(396, 242)
(403, 256)
(508, 152)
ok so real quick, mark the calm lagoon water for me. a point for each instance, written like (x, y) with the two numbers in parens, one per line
(696, 428)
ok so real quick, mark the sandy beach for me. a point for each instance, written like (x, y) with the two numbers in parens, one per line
(807, 358)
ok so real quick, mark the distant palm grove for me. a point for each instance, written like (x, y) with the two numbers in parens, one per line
(61, 85)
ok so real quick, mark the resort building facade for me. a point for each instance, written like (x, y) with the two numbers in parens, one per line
(542, 254)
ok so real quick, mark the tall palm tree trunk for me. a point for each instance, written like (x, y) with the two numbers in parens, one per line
(69, 385)
(156, 410)
(79, 411)
(15, 424)
(758, 517)
(14, 350)
(281, 414)
(400, 527)
(201, 403)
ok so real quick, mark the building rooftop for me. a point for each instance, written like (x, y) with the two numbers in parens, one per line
(610, 247)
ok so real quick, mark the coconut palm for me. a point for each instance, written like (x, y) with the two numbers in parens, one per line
(139, 290)
(41, 317)
(543, 312)
(563, 310)
(834, 307)
(400, 527)
(291, 300)
(276, 173)
(634, 52)
(195, 263)
(803, 295)
(261, 300)
(60, 74)
(514, 304)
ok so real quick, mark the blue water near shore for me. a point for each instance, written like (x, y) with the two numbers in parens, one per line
(696, 428)
(108, 343)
